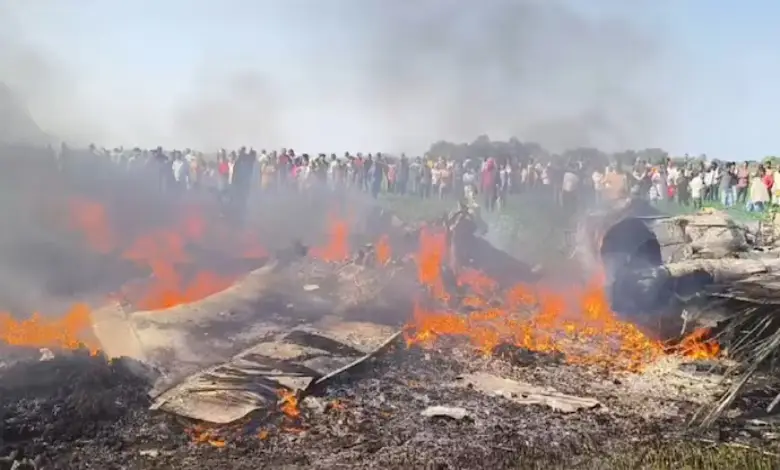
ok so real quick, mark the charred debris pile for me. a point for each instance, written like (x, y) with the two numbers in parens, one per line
(389, 360)
(702, 272)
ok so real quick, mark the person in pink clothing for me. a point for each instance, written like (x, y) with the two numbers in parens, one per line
(490, 183)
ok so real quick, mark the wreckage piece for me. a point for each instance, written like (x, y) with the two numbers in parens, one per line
(680, 273)
(468, 249)
(525, 394)
(297, 361)
(631, 244)
(633, 231)
(270, 325)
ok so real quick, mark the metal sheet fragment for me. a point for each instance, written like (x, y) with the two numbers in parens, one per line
(526, 394)
(292, 361)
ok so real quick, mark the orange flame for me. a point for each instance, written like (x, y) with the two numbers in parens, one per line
(163, 251)
(433, 248)
(289, 403)
(383, 250)
(91, 219)
(203, 435)
(698, 346)
(66, 332)
(579, 324)
(337, 247)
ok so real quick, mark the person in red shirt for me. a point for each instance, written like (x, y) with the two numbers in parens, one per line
(223, 170)
(490, 184)
(769, 178)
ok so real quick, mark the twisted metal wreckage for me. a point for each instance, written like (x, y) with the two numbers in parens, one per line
(220, 358)
(701, 270)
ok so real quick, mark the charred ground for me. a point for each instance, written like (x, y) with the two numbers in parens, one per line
(80, 411)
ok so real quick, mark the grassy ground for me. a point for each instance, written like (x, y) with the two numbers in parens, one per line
(689, 456)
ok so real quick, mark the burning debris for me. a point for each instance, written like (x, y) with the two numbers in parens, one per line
(197, 367)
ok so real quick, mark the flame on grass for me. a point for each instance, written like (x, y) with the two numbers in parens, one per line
(699, 345)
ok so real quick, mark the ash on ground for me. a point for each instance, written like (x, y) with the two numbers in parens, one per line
(75, 411)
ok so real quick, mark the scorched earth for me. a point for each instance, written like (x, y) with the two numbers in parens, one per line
(483, 375)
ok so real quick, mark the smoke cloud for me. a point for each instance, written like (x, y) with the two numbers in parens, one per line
(372, 75)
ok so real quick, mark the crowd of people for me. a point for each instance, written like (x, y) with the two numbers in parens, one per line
(699, 182)
(487, 179)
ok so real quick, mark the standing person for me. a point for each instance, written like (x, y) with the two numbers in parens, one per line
(490, 184)
(672, 177)
(555, 174)
(376, 175)
(598, 184)
(333, 172)
(615, 184)
(641, 183)
(682, 184)
(697, 190)
(769, 179)
(284, 166)
(445, 178)
(758, 194)
(268, 172)
(774, 193)
(656, 193)
(545, 179)
(368, 163)
(569, 189)
(436, 170)
(180, 173)
(163, 169)
(728, 181)
(359, 162)
(223, 176)
(743, 178)
(716, 171)
(241, 183)
(504, 184)
(402, 177)
(262, 161)
(524, 178)
(469, 179)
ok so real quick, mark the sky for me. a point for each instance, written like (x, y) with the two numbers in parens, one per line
(690, 76)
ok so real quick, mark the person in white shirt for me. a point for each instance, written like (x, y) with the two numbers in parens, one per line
(711, 178)
(333, 169)
(469, 179)
(569, 190)
(672, 175)
(524, 173)
(180, 171)
(598, 184)
(263, 158)
(696, 188)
